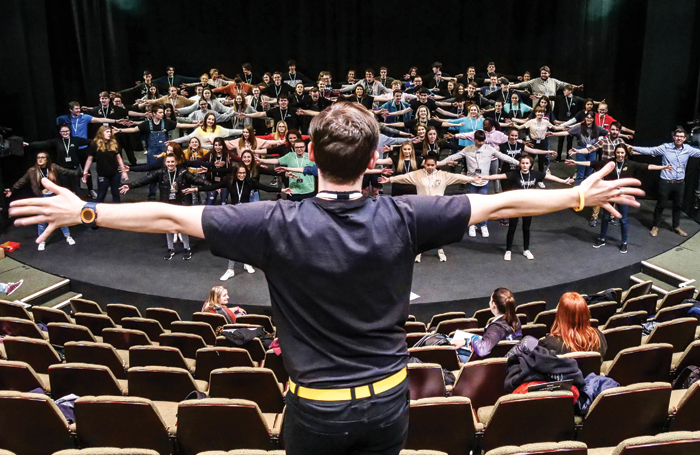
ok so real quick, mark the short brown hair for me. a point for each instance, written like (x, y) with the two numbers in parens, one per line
(344, 138)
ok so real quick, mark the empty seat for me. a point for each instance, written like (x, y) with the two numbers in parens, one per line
(275, 363)
(187, 343)
(123, 422)
(211, 358)
(255, 347)
(14, 310)
(548, 448)
(531, 309)
(438, 318)
(60, 333)
(673, 312)
(37, 353)
(98, 354)
(45, 315)
(85, 306)
(125, 338)
(119, 311)
(603, 311)
(95, 322)
(106, 451)
(673, 443)
(624, 412)
(546, 318)
(553, 412)
(84, 379)
(481, 381)
(256, 384)
(691, 356)
(483, 316)
(636, 290)
(20, 328)
(588, 362)
(32, 424)
(163, 383)
(621, 338)
(239, 424)
(21, 377)
(647, 363)
(642, 303)
(414, 327)
(446, 424)
(425, 380)
(258, 319)
(685, 409)
(626, 319)
(164, 316)
(202, 329)
(151, 327)
(445, 356)
(449, 326)
(144, 356)
(679, 333)
(535, 330)
(676, 297)
(215, 320)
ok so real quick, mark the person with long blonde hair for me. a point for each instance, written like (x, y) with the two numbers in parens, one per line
(406, 161)
(572, 330)
(216, 303)
(104, 150)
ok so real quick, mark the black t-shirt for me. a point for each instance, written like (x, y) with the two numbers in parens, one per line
(566, 108)
(430, 103)
(274, 91)
(413, 123)
(500, 117)
(339, 321)
(111, 112)
(288, 115)
(317, 106)
(520, 181)
(107, 164)
(622, 170)
(163, 125)
(512, 150)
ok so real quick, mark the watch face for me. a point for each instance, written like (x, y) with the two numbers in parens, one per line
(87, 216)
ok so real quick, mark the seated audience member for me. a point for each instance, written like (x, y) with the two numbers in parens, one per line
(572, 331)
(216, 303)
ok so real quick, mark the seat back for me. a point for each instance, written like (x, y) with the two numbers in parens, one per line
(646, 363)
(481, 381)
(95, 322)
(676, 297)
(691, 356)
(13, 310)
(123, 422)
(255, 347)
(543, 448)
(275, 363)
(603, 311)
(11, 326)
(443, 424)
(414, 327)
(22, 415)
(445, 356)
(621, 338)
(60, 333)
(119, 311)
(255, 384)
(187, 343)
(45, 315)
(425, 380)
(240, 424)
(450, 325)
(202, 329)
(85, 306)
(588, 362)
(125, 338)
(211, 358)
(151, 327)
(106, 451)
(82, 379)
(531, 309)
(160, 383)
(686, 414)
(553, 412)
(642, 303)
(500, 350)
(96, 354)
(635, 410)
(19, 376)
(673, 443)
(438, 318)
(546, 318)
(144, 356)
(482, 316)
(626, 319)
(413, 338)
(679, 333)
(37, 353)
(164, 316)
(257, 319)
(535, 330)
(673, 312)
(636, 290)
(215, 320)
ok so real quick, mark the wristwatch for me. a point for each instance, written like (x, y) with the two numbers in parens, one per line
(88, 215)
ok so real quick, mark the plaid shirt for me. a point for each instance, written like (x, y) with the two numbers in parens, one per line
(607, 146)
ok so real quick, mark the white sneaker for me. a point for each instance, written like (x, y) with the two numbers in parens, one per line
(472, 231)
(418, 258)
(441, 255)
(179, 236)
(70, 240)
(528, 255)
(42, 246)
(484, 231)
(506, 257)
(248, 268)
(229, 274)
(541, 185)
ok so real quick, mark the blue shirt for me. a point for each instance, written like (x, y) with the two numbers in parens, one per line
(78, 125)
(470, 125)
(678, 158)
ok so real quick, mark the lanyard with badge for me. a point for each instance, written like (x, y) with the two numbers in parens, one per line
(218, 159)
(568, 105)
(173, 186)
(525, 184)
(239, 192)
(619, 169)
(68, 158)
(44, 191)
(75, 127)
(301, 165)
(104, 114)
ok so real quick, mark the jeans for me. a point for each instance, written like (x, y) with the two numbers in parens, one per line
(42, 226)
(211, 199)
(113, 183)
(471, 189)
(493, 170)
(512, 226)
(255, 197)
(170, 238)
(373, 425)
(3, 288)
(623, 209)
(582, 172)
(668, 190)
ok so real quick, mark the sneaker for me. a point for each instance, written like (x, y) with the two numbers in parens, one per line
(12, 287)
(179, 236)
(615, 221)
(441, 255)
(506, 257)
(70, 240)
(654, 231)
(248, 268)
(623, 248)
(418, 258)
(593, 222)
(598, 243)
(42, 246)
(680, 232)
(187, 255)
(505, 222)
(541, 185)
(484, 231)
(472, 231)
(528, 255)
(92, 194)
(169, 255)
(229, 274)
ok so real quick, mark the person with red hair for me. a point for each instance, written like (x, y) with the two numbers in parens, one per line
(572, 331)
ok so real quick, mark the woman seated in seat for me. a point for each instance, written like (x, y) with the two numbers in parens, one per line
(504, 326)
(216, 303)
(572, 331)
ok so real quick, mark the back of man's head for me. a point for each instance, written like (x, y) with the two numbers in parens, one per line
(344, 138)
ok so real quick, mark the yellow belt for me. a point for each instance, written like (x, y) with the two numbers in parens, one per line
(346, 394)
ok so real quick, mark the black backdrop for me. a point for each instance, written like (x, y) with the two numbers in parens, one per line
(642, 56)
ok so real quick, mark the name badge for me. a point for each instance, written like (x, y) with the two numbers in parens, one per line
(217, 179)
(538, 141)
(172, 196)
(68, 159)
(300, 180)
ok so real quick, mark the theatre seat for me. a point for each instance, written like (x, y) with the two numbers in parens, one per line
(37, 353)
(98, 354)
(691, 356)
(254, 347)
(482, 316)
(144, 356)
(535, 330)
(685, 409)
(125, 338)
(106, 451)
(626, 319)
(95, 322)
(258, 319)
(673, 443)
(85, 306)
(84, 379)
(14, 310)
(211, 358)
(21, 377)
(531, 309)
(674, 312)
(450, 325)
(215, 320)
(647, 363)
(676, 297)
(164, 316)
(414, 327)
(679, 333)
(275, 363)
(445, 356)
(481, 381)
(61, 333)
(603, 311)
(119, 311)
(548, 448)
(425, 380)
(546, 318)
(636, 290)
(202, 329)
(11, 326)
(588, 362)
(445, 424)
(163, 383)
(187, 343)
(151, 327)
(45, 315)
(438, 318)
(621, 338)
(255, 384)
(642, 303)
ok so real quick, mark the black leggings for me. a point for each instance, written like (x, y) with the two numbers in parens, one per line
(512, 226)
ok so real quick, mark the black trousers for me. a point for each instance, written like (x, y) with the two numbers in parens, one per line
(512, 226)
(673, 191)
(374, 425)
(569, 143)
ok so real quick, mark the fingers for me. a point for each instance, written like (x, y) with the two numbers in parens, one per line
(31, 220)
(612, 210)
(626, 200)
(49, 185)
